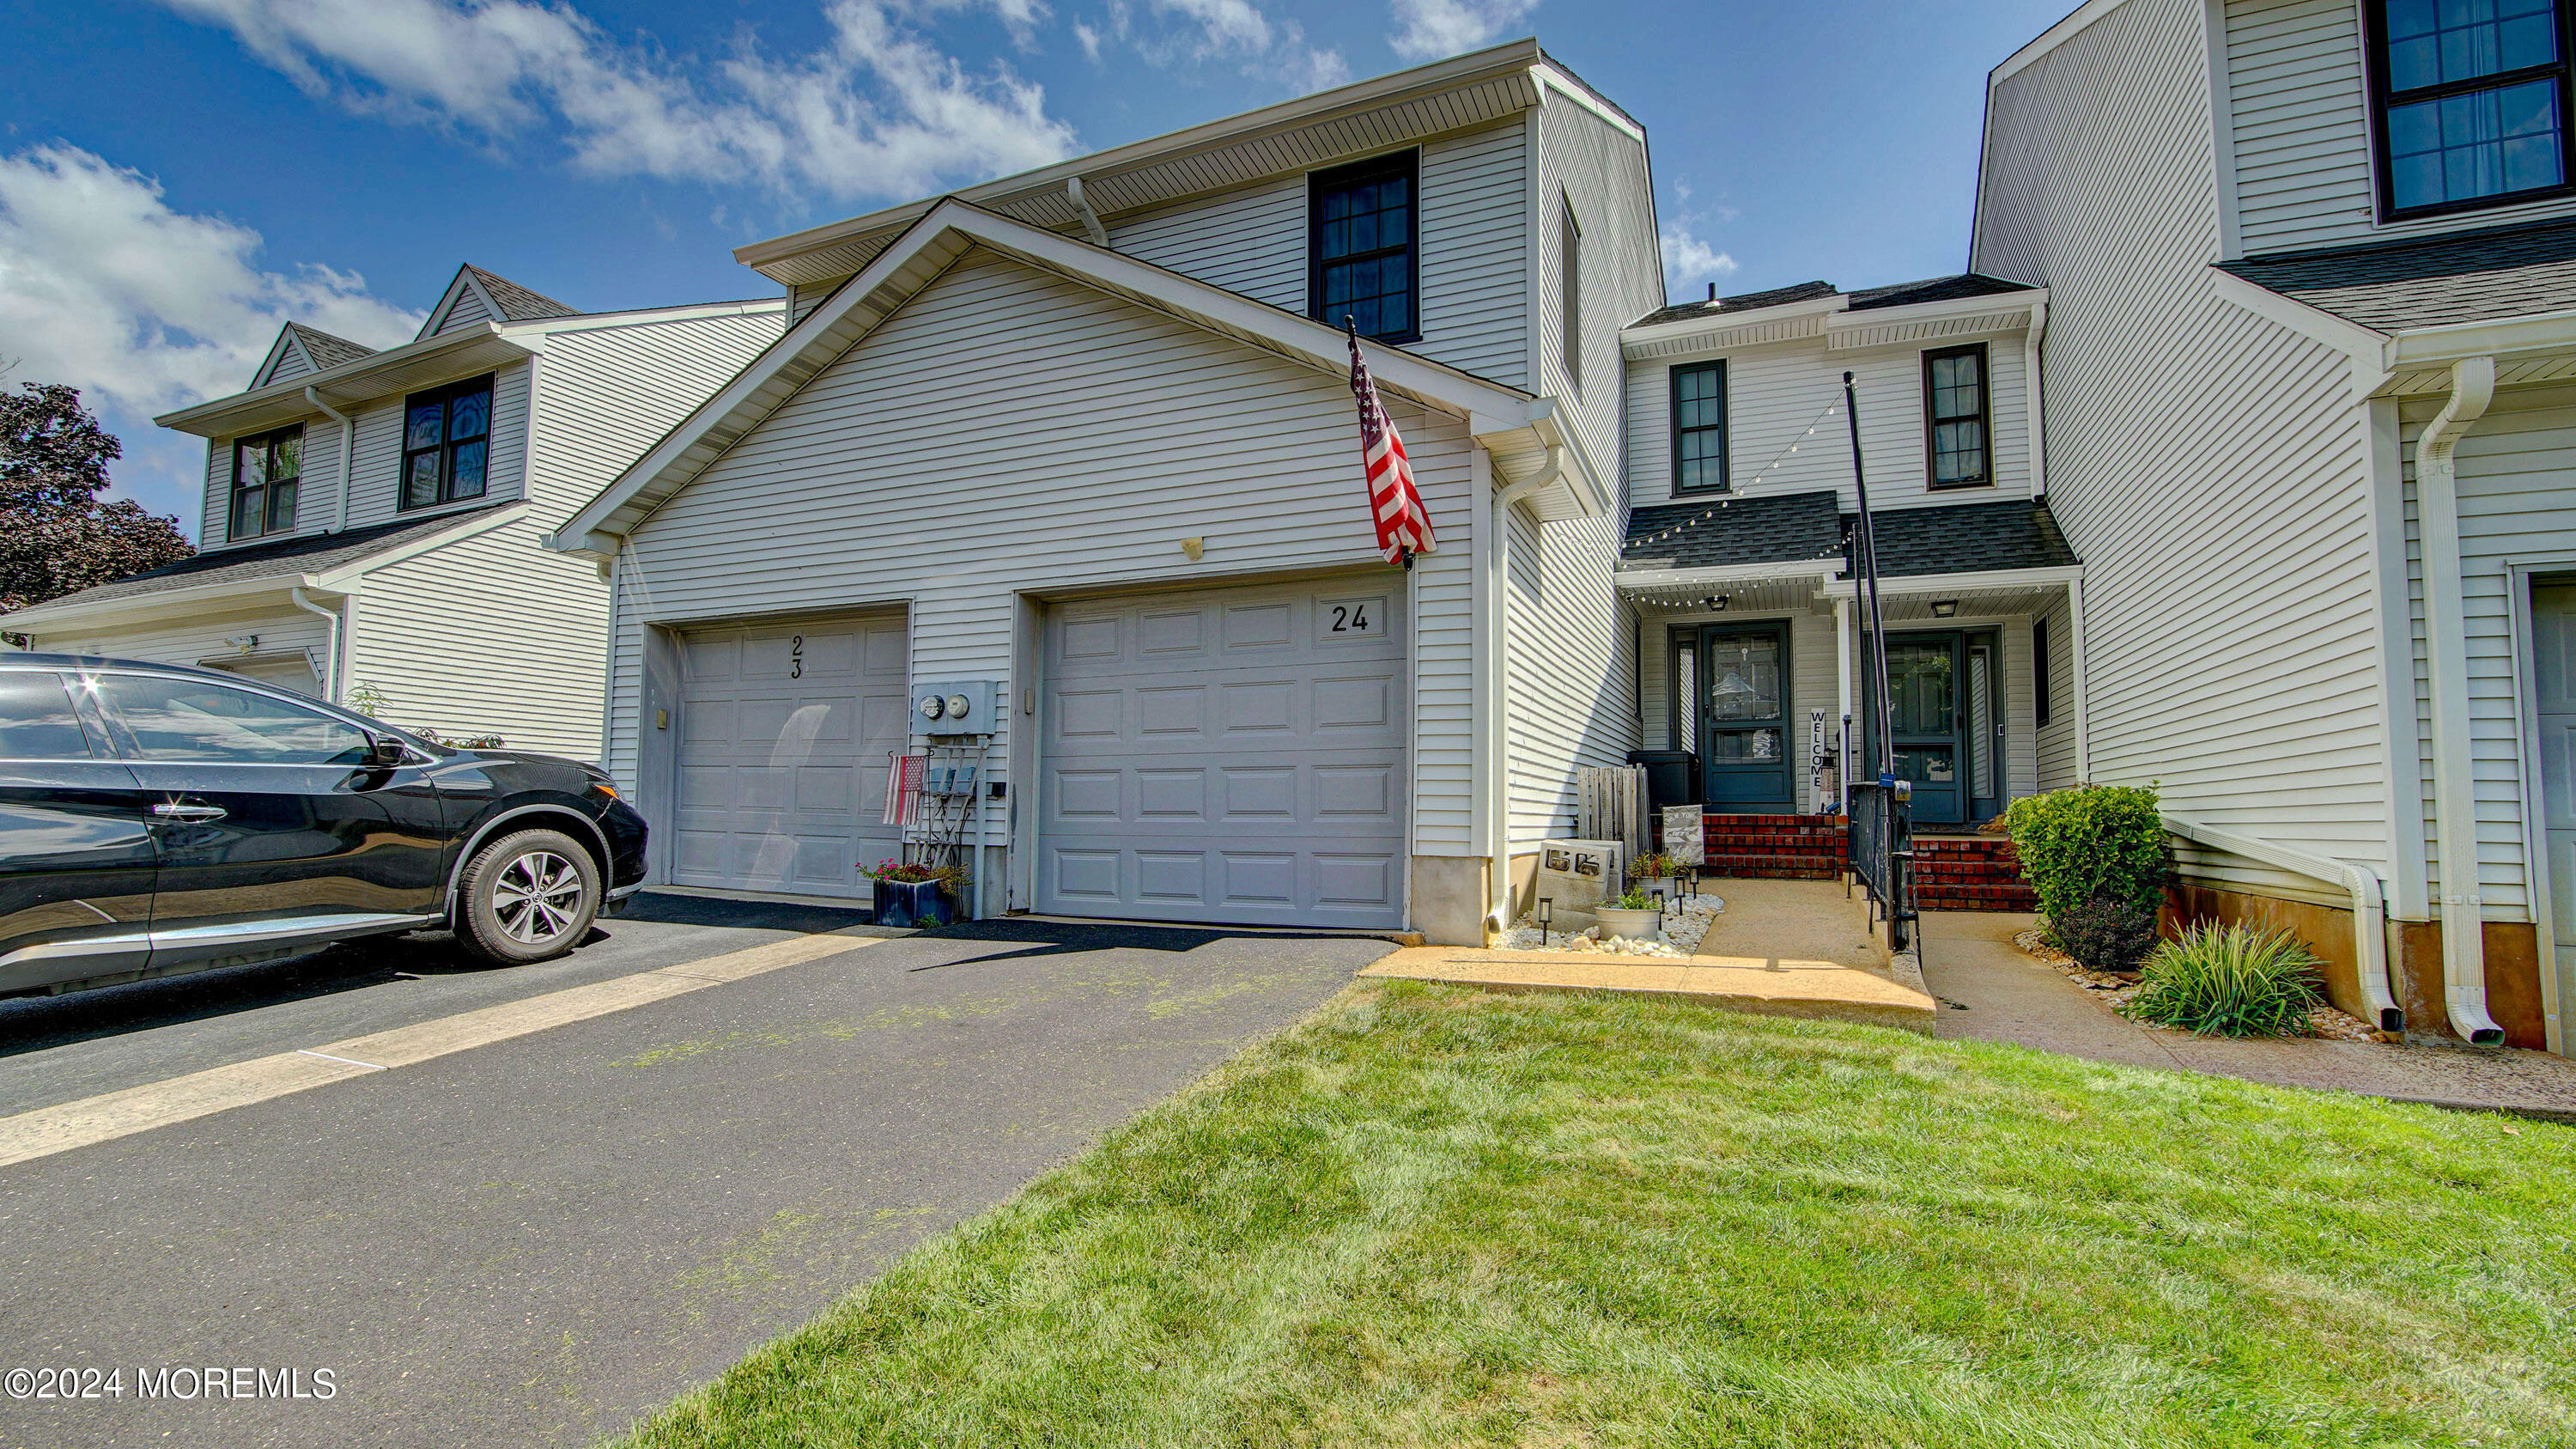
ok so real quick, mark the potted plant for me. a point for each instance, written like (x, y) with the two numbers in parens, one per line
(909, 894)
(1657, 874)
(1635, 916)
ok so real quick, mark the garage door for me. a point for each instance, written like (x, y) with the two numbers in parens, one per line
(1229, 755)
(784, 731)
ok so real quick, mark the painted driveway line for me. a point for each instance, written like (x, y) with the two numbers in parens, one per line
(104, 1118)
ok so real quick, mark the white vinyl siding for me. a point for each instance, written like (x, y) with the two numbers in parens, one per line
(1471, 246)
(802, 297)
(191, 637)
(317, 490)
(2207, 465)
(470, 309)
(2517, 467)
(2056, 754)
(291, 364)
(378, 473)
(2298, 94)
(1010, 430)
(607, 393)
(491, 633)
(1775, 393)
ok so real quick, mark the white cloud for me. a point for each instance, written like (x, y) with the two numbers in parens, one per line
(1434, 28)
(106, 288)
(1234, 33)
(1688, 259)
(878, 111)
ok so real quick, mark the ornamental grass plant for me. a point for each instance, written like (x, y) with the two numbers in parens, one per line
(2237, 980)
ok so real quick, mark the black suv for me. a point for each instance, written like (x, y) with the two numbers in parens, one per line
(156, 819)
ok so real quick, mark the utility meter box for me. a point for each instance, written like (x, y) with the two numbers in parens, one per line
(1578, 875)
(953, 707)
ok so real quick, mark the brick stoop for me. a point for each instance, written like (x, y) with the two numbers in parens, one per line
(1969, 873)
(1775, 847)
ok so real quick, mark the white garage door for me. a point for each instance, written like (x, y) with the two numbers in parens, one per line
(784, 730)
(1229, 755)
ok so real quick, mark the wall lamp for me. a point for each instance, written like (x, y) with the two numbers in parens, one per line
(1944, 608)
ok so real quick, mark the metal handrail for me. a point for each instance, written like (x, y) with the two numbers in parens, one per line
(1881, 837)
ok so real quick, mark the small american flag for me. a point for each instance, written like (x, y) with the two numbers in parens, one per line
(1403, 524)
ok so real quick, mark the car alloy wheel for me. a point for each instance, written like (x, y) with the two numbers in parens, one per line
(537, 898)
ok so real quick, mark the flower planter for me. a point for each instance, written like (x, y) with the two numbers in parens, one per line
(913, 903)
(1618, 923)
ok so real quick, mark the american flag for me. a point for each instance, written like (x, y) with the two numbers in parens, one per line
(1403, 524)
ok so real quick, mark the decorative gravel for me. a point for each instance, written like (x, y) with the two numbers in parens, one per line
(1682, 934)
(2116, 987)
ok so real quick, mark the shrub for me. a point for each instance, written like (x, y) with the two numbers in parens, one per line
(2105, 934)
(2230, 981)
(2093, 842)
(1654, 865)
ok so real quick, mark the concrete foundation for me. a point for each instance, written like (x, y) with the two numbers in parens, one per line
(1449, 898)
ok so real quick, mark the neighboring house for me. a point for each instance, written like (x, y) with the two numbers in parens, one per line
(1086, 433)
(1739, 558)
(372, 521)
(2312, 279)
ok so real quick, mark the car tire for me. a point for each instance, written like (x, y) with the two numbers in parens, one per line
(530, 895)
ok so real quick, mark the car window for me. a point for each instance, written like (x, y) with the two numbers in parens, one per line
(36, 719)
(188, 719)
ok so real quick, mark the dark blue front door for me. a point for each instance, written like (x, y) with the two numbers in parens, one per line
(1744, 717)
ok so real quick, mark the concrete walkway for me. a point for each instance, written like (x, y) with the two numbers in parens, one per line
(1991, 991)
(1782, 948)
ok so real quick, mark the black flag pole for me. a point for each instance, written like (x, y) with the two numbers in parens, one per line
(1865, 553)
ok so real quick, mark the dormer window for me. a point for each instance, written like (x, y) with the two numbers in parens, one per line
(266, 470)
(2471, 102)
(1360, 247)
(447, 444)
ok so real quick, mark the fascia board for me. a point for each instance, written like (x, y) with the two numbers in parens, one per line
(345, 383)
(1964, 582)
(1822, 569)
(199, 598)
(2367, 348)
(2542, 333)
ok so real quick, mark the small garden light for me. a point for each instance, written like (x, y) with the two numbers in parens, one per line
(1546, 915)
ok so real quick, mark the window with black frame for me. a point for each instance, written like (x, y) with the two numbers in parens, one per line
(2471, 100)
(1360, 247)
(447, 444)
(1957, 417)
(266, 472)
(1699, 428)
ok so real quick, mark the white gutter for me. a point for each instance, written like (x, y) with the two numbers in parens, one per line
(348, 442)
(1090, 219)
(1497, 744)
(331, 681)
(2035, 386)
(2369, 920)
(2437, 507)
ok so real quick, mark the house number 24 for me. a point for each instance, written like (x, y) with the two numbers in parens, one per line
(1350, 618)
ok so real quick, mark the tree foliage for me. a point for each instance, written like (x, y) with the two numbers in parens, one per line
(57, 534)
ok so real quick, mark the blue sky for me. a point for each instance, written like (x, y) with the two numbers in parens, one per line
(178, 177)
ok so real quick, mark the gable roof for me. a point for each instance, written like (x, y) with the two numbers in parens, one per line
(2477, 276)
(1902, 294)
(300, 349)
(500, 299)
(289, 559)
(1520, 431)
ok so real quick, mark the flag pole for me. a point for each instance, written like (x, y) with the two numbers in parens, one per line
(1865, 554)
(1351, 327)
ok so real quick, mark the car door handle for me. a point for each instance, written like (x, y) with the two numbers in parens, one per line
(189, 814)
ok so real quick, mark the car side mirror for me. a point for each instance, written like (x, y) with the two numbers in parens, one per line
(384, 752)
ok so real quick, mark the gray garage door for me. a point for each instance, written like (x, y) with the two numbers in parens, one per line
(784, 730)
(1230, 755)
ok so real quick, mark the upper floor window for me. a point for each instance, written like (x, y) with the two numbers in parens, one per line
(1699, 428)
(1569, 262)
(2472, 101)
(447, 443)
(1957, 417)
(265, 472)
(1360, 247)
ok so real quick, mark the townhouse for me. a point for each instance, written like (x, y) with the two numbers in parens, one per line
(372, 524)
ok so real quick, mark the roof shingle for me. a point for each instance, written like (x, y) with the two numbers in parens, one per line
(2480, 276)
(326, 350)
(1966, 538)
(1717, 532)
(310, 553)
(517, 303)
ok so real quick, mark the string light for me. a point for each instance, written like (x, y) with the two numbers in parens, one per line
(1675, 529)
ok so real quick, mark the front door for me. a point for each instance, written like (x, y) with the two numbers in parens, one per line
(2553, 617)
(1744, 717)
(1925, 707)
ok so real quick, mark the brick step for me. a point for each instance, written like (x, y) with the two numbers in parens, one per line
(1829, 843)
(1801, 870)
(1982, 898)
(1946, 870)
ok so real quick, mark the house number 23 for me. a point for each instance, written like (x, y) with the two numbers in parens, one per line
(796, 657)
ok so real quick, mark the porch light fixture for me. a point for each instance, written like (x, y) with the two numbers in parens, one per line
(1716, 602)
(1944, 608)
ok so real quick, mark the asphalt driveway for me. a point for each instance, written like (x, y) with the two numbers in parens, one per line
(533, 1241)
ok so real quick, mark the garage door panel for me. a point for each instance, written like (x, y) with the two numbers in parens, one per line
(1226, 756)
(782, 739)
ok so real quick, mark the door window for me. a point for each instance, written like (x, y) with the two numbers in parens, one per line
(193, 720)
(36, 719)
(1922, 691)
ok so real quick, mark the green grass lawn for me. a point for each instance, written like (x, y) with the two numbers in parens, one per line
(1435, 1216)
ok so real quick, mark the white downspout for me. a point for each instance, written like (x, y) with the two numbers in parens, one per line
(2035, 389)
(1090, 219)
(331, 684)
(2437, 509)
(2083, 685)
(348, 440)
(2369, 918)
(1498, 743)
